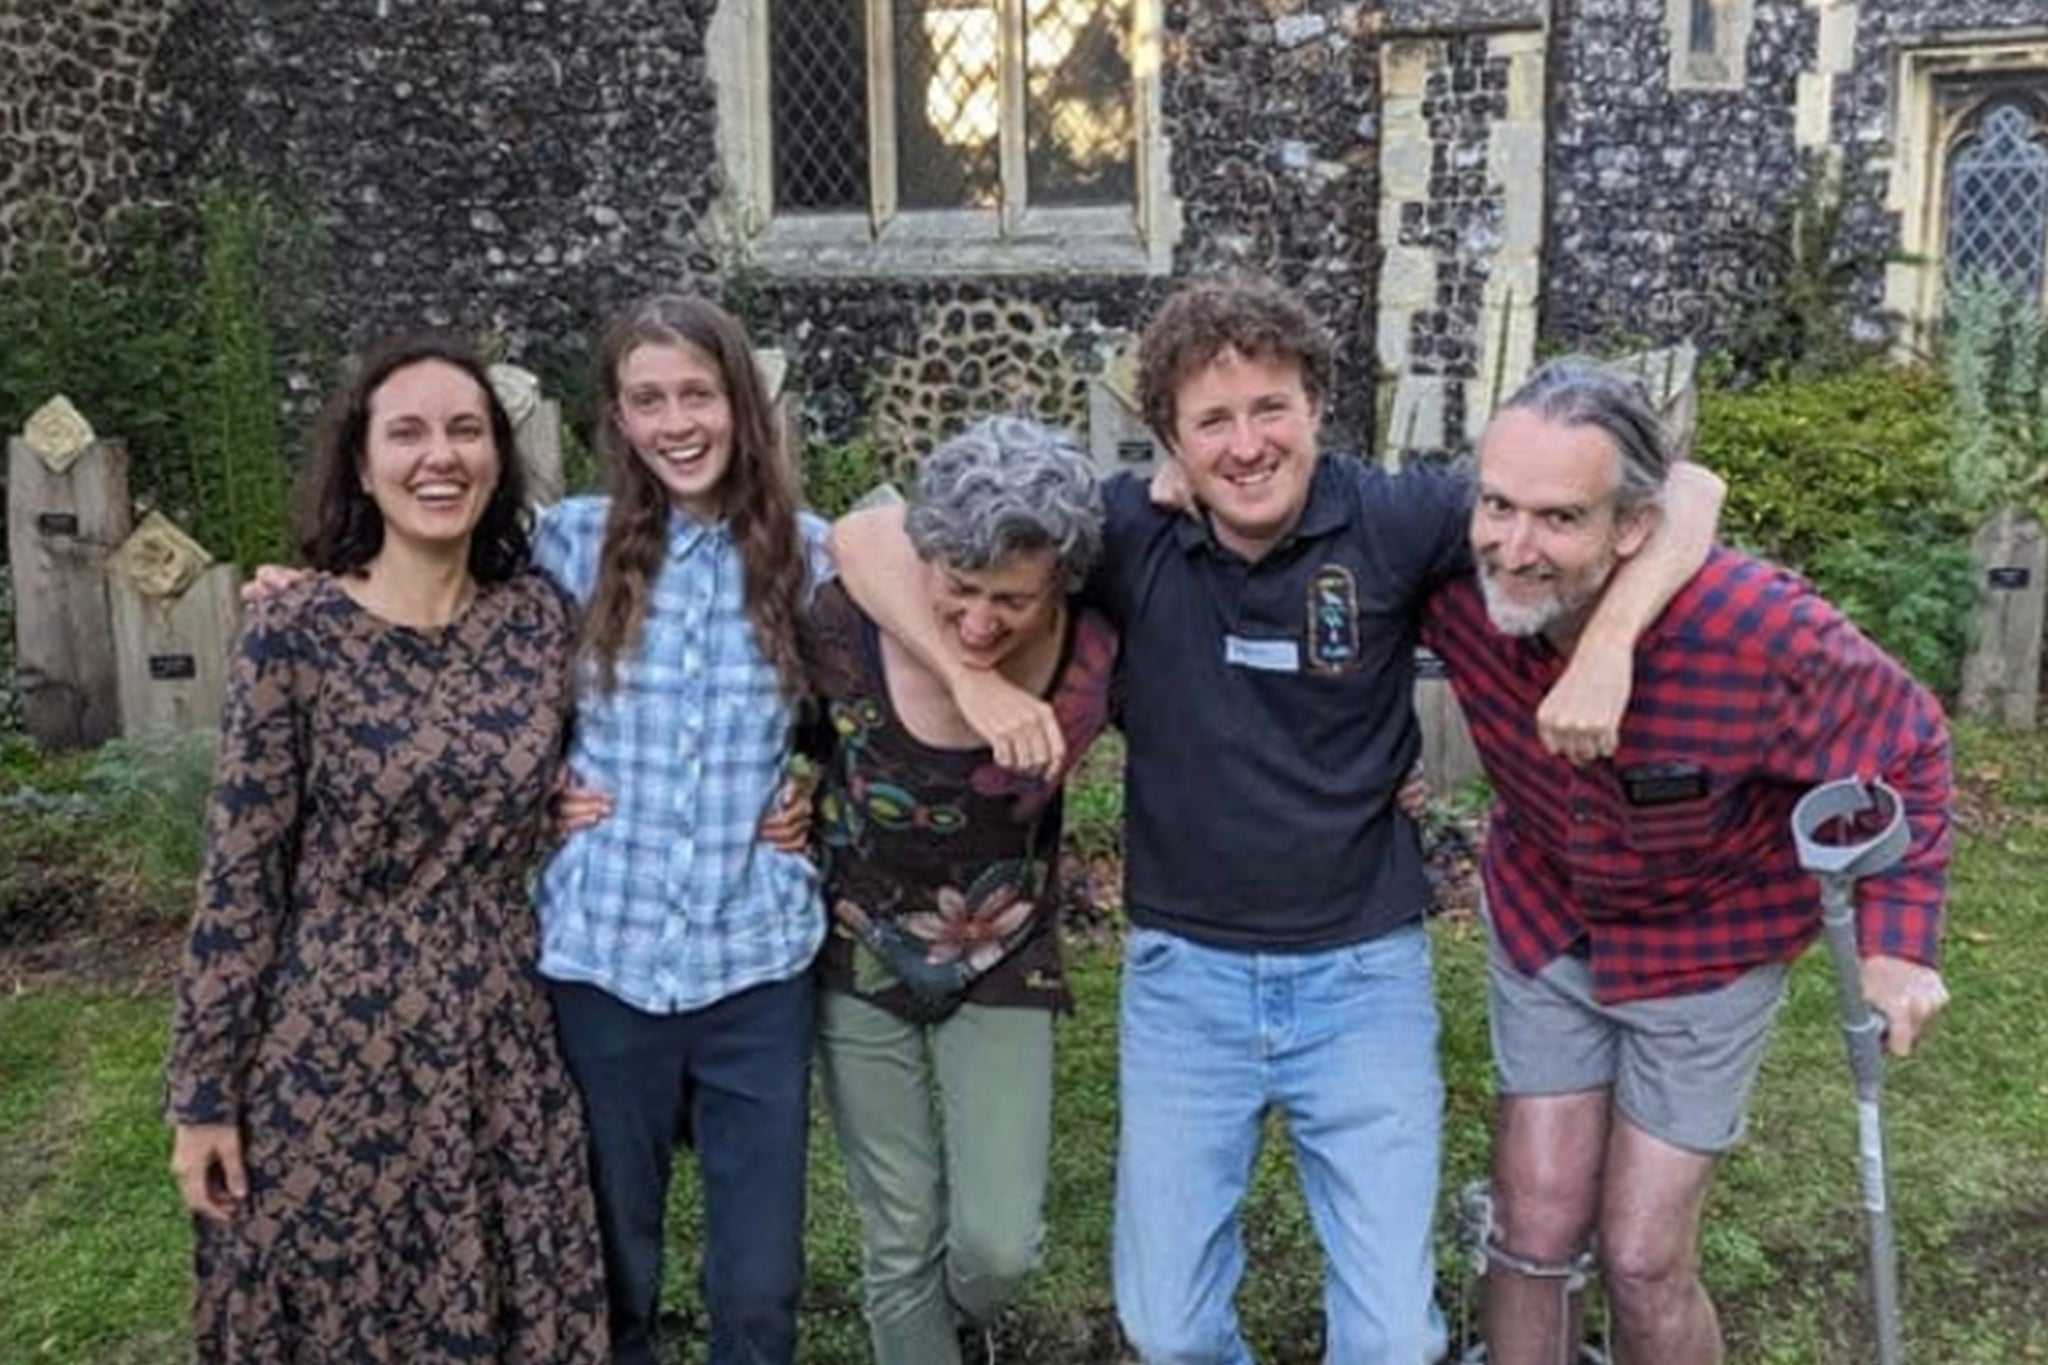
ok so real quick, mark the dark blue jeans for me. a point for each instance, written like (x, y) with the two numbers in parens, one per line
(733, 1079)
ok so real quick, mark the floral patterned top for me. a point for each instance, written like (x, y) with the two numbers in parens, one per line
(939, 865)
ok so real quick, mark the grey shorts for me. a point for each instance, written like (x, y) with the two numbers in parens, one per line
(1681, 1067)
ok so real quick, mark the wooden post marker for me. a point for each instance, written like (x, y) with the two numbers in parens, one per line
(175, 616)
(1118, 439)
(772, 364)
(67, 508)
(2002, 675)
(536, 428)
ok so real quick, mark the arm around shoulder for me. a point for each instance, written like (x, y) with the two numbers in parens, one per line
(881, 572)
(1581, 717)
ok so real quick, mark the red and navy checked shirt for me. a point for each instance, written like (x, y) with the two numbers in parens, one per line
(1750, 682)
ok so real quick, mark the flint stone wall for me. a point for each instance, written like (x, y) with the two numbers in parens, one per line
(1655, 194)
(77, 104)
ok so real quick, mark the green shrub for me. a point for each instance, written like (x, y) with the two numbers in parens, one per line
(1845, 479)
(836, 475)
(147, 800)
(118, 340)
(120, 828)
(1794, 316)
(236, 409)
(1995, 354)
(1812, 463)
(1911, 594)
(171, 342)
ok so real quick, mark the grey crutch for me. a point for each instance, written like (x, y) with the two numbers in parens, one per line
(1839, 866)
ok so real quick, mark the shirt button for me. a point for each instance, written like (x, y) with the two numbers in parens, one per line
(1580, 812)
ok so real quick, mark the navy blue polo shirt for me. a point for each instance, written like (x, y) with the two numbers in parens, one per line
(1269, 708)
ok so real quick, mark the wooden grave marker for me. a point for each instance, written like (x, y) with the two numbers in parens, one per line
(175, 615)
(67, 510)
(2002, 673)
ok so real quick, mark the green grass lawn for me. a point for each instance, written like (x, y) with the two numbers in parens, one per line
(93, 1246)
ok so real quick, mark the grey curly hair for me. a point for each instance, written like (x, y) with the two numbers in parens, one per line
(1004, 486)
(1574, 391)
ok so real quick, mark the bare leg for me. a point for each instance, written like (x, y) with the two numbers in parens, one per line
(1650, 1207)
(1547, 1155)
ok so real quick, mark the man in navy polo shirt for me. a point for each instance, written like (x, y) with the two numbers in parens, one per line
(1276, 959)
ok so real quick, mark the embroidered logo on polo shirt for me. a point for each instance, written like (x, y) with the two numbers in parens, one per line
(1332, 620)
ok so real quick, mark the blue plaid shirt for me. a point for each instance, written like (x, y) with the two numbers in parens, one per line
(671, 903)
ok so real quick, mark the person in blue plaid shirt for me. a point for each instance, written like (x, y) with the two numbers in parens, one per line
(677, 942)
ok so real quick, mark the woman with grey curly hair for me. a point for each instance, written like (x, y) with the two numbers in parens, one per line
(942, 971)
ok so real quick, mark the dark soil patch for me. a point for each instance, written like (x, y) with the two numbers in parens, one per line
(63, 928)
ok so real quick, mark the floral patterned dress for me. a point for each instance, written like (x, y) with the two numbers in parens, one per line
(358, 995)
(938, 865)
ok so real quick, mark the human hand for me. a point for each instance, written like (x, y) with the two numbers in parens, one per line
(1022, 730)
(1907, 994)
(575, 806)
(1171, 489)
(1413, 797)
(1580, 717)
(206, 1159)
(787, 826)
(269, 580)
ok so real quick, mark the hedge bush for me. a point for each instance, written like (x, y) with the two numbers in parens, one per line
(1845, 479)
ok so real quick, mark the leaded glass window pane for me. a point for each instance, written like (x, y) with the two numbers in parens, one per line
(1703, 38)
(948, 103)
(820, 100)
(1079, 125)
(1998, 199)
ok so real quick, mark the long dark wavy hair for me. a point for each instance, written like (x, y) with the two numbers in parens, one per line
(758, 496)
(339, 528)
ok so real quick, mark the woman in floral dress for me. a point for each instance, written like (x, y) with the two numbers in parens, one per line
(373, 1124)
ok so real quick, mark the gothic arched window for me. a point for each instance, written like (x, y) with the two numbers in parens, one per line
(1998, 196)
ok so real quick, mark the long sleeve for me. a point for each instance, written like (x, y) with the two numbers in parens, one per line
(1849, 710)
(252, 845)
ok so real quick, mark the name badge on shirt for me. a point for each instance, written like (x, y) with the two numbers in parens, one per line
(1268, 656)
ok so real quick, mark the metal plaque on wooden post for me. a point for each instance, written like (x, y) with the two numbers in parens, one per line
(2002, 674)
(67, 509)
(175, 615)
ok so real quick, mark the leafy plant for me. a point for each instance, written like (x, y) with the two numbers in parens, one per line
(172, 342)
(1909, 593)
(124, 823)
(1796, 315)
(836, 475)
(236, 411)
(1844, 477)
(1995, 353)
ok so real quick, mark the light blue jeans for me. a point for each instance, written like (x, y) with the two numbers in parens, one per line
(1342, 1044)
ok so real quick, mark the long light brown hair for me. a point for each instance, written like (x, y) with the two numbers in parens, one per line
(757, 497)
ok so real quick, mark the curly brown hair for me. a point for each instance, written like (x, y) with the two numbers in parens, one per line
(1254, 317)
(758, 497)
(338, 527)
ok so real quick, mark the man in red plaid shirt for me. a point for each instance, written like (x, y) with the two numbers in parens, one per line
(1644, 908)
